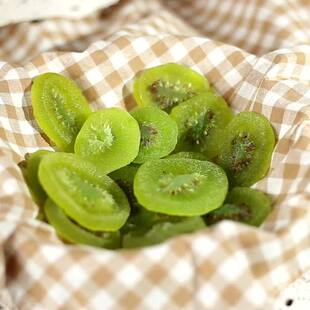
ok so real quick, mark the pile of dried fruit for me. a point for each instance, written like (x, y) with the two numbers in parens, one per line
(121, 179)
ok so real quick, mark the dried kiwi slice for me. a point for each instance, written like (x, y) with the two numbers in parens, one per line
(159, 133)
(139, 216)
(84, 192)
(242, 204)
(110, 138)
(124, 178)
(201, 121)
(190, 155)
(30, 172)
(182, 187)
(246, 148)
(59, 107)
(162, 231)
(167, 85)
(72, 232)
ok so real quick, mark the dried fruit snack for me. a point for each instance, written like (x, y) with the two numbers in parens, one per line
(182, 187)
(167, 85)
(242, 204)
(246, 148)
(110, 138)
(59, 107)
(162, 231)
(159, 133)
(190, 155)
(30, 170)
(74, 233)
(201, 121)
(84, 192)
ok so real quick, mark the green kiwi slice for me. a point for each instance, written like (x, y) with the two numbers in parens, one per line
(242, 204)
(201, 121)
(139, 216)
(59, 107)
(167, 85)
(159, 133)
(110, 138)
(74, 233)
(246, 148)
(162, 231)
(83, 191)
(30, 170)
(189, 155)
(182, 187)
(124, 178)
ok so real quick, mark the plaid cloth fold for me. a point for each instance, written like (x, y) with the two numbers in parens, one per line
(227, 266)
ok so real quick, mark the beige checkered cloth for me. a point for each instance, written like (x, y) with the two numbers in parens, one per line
(227, 266)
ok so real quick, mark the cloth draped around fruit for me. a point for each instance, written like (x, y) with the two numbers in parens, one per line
(227, 266)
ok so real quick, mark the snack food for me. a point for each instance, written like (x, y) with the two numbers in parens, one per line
(59, 107)
(201, 122)
(167, 85)
(246, 148)
(102, 196)
(244, 205)
(159, 133)
(183, 187)
(84, 192)
(110, 138)
(74, 233)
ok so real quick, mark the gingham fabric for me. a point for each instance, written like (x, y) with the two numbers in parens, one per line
(227, 266)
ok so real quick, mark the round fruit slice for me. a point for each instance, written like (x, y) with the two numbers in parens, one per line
(183, 187)
(139, 216)
(246, 148)
(201, 121)
(59, 107)
(162, 231)
(124, 178)
(189, 155)
(72, 232)
(110, 138)
(30, 172)
(242, 204)
(84, 192)
(168, 85)
(159, 133)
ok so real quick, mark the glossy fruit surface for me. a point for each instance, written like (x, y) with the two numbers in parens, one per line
(30, 173)
(246, 148)
(189, 155)
(72, 232)
(59, 107)
(168, 85)
(201, 123)
(182, 187)
(110, 138)
(159, 133)
(84, 192)
(162, 231)
(243, 204)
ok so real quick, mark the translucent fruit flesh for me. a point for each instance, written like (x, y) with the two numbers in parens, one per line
(167, 85)
(182, 187)
(189, 155)
(59, 108)
(246, 148)
(110, 138)
(162, 231)
(72, 232)
(84, 192)
(201, 122)
(159, 133)
(31, 176)
(244, 205)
